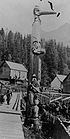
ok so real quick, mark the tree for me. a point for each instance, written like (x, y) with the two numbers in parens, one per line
(51, 58)
(61, 59)
(28, 47)
(10, 43)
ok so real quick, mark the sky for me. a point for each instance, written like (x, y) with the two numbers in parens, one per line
(17, 15)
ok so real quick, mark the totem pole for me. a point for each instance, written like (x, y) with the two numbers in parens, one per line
(36, 50)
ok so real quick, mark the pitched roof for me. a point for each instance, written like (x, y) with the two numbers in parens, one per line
(16, 66)
(66, 77)
(61, 77)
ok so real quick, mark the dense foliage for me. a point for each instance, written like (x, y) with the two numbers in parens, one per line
(14, 47)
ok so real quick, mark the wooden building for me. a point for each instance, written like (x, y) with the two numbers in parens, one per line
(57, 83)
(10, 70)
(66, 84)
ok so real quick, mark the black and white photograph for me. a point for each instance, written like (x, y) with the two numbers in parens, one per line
(34, 69)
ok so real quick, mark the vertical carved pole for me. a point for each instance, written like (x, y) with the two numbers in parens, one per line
(36, 49)
(36, 45)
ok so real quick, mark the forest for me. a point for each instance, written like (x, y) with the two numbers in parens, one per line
(16, 48)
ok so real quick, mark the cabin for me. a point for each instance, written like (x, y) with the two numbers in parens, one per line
(66, 84)
(12, 71)
(57, 83)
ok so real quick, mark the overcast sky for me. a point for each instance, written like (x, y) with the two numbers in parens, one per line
(16, 15)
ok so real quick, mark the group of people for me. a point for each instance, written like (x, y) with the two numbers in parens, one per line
(6, 96)
(59, 108)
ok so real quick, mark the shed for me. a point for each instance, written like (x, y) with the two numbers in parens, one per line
(12, 70)
(57, 82)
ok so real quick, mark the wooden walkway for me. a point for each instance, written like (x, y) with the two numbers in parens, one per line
(10, 122)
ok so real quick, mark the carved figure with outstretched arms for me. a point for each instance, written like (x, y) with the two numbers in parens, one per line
(36, 40)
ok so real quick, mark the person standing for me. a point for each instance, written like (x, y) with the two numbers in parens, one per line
(8, 97)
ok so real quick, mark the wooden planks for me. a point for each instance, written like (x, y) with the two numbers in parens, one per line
(10, 126)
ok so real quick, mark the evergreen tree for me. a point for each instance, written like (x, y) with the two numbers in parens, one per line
(51, 58)
(28, 65)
